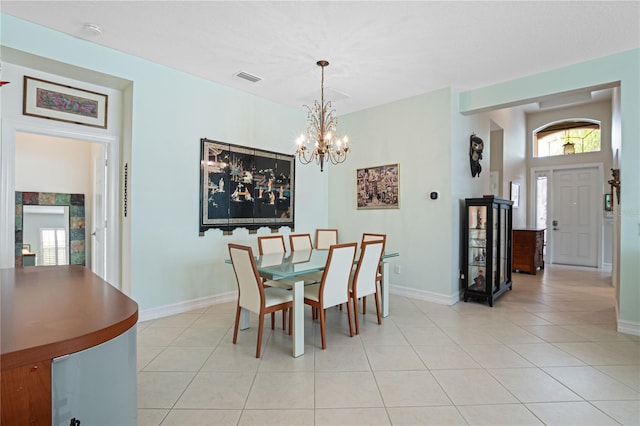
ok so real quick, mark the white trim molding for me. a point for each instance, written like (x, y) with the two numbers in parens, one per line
(186, 306)
(629, 327)
(428, 296)
(10, 128)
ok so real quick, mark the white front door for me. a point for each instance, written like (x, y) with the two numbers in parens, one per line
(574, 217)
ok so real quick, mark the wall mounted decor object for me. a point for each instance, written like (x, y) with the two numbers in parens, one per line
(615, 183)
(76, 237)
(243, 187)
(54, 101)
(476, 146)
(515, 194)
(378, 187)
(608, 206)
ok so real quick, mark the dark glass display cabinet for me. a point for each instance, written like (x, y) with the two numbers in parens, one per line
(486, 244)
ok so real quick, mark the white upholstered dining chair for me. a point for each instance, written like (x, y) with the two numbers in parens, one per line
(253, 295)
(302, 242)
(333, 289)
(325, 238)
(366, 277)
(374, 237)
(271, 244)
(299, 242)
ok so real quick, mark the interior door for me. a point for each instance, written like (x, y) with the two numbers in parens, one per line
(98, 236)
(574, 221)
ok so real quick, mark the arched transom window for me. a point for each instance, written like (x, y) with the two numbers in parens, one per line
(574, 136)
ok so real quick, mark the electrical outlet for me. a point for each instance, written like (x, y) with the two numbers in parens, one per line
(396, 269)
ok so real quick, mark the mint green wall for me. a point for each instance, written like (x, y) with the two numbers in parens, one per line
(416, 134)
(625, 69)
(170, 111)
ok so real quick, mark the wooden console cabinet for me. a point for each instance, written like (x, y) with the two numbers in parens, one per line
(528, 250)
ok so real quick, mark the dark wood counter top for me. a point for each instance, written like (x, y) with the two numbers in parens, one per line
(50, 311)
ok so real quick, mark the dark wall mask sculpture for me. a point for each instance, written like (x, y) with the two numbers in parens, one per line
(476, 146)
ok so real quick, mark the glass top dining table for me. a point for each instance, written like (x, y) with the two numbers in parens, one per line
(286, 267)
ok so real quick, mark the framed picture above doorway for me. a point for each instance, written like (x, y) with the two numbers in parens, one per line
(46, 99)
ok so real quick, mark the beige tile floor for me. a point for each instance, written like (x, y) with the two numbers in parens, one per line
(546, 353)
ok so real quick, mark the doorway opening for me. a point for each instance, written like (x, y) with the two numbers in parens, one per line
(567, 207)
(50, 165)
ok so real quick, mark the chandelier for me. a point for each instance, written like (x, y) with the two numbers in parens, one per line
(568, 147)
(321, 133)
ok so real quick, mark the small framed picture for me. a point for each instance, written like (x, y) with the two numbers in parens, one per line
(54, 101)
(607, 203)
(515, 194)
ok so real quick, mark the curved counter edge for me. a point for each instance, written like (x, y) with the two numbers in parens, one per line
(46, 313)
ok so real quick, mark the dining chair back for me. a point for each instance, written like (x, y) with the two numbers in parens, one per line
(374, 237)
(333, 289)
(300, 242)
(365, 279)
(270, 244)
(252, 294)
(326, 238)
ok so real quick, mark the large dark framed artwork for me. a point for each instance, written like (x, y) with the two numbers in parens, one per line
(242, 187)
(378, 187)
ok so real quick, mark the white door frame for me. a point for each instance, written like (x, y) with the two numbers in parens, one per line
(550, 195)
(10, 127)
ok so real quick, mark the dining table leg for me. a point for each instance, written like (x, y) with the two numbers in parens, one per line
(384, 283)
(298, 318)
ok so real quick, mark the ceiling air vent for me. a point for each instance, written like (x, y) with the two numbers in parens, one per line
(249, 77)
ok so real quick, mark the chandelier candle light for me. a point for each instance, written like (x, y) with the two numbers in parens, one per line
(321, 133)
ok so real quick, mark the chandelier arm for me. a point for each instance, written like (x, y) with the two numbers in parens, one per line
(303, 156)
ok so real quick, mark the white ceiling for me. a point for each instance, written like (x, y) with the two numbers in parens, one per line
(379, 51)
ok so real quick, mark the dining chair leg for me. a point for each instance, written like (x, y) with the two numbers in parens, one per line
(260, 328)
(364, 305)
(322, 329)
(378, 307)
(290, 320)
(273, 320)
(284, 319)
(349, 318)
(355, 314)
(235, 329)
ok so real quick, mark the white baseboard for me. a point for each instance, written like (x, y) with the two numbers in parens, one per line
(412, 293)
(629, 327)
(186, 306)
